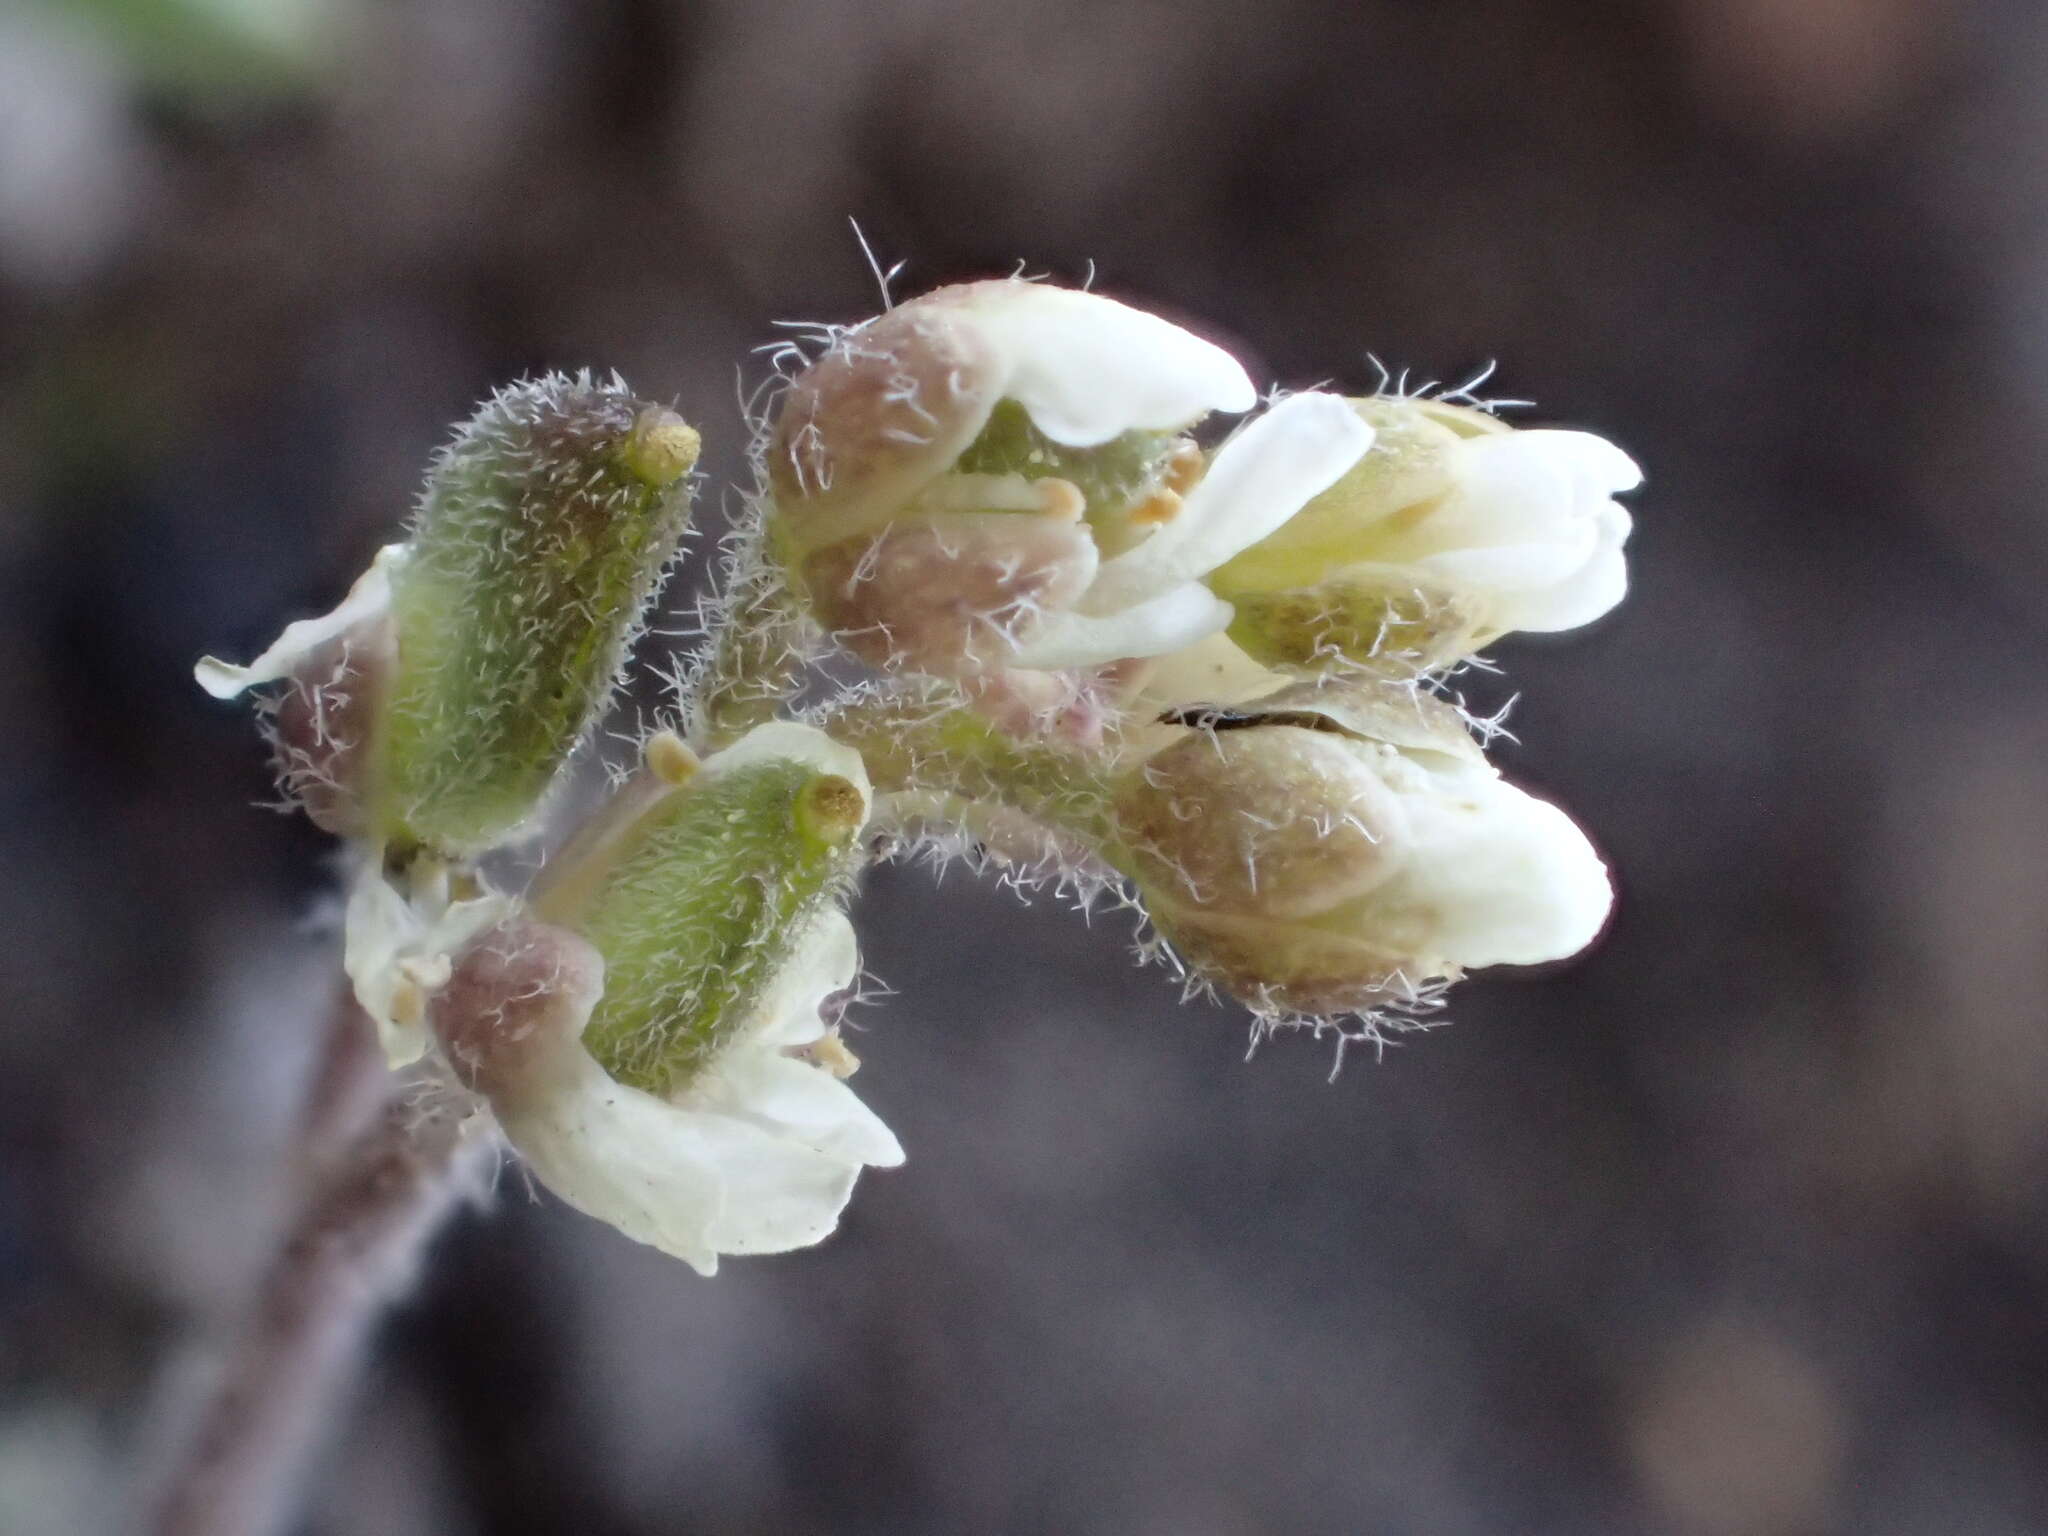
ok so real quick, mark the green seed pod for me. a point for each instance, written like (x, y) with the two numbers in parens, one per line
(704, 893)
(538, 543)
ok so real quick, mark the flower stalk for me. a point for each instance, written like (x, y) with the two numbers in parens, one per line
(355, 1244)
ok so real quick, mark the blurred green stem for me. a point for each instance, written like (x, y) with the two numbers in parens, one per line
(936, 746)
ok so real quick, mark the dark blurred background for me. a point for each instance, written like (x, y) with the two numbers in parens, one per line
(1739, 1227)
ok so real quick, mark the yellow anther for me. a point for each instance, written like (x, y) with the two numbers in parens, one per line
(1183, 468)
(1061, 499)
(1162, 506)
(408, 1005)
(828, 1053)
(668, 758)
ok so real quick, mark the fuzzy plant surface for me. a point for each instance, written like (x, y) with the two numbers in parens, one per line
(1028, 577)
(539, 541)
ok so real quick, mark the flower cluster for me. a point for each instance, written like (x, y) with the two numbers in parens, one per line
(1000, 485)
(1105, 641)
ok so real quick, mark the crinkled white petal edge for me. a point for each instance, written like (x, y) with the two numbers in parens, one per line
(1540, 531)
(370, 596)
(758, 1156)
(1089, 369)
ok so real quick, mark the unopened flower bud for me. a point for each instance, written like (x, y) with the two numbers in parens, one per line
(995, 476)
(1336, 849)
(540, 538)
(1453, 530)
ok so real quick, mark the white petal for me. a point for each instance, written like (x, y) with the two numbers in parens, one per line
(370, 596)
(377, 927)
(1259, 479)
(1599, 585)
(692, 1184)
(1530, 524)
(1507, 879)
(1510, 490)
(622, 1156)
(1211, 671)
(1088, 369)
(826, 959)
(1510, 568)
(798, 1101)
(1599, 467)
(1175, 618)
(779, 1194)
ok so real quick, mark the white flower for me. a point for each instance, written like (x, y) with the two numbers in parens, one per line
(748, 1141)
(756, 1154)
(1335, 849)
(932, 532)
(1452, 531)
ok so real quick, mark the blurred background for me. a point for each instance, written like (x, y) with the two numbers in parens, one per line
(1737, 1228)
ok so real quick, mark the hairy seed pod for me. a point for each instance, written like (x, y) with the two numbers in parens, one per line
(706, 890)
(539, 541)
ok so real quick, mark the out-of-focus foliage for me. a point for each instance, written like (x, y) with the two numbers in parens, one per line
(213, 51)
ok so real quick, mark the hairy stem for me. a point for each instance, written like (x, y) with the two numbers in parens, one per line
(1011, 839)
(929, 741)
(756, 657)
(351, 1248)
(348, 1082)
